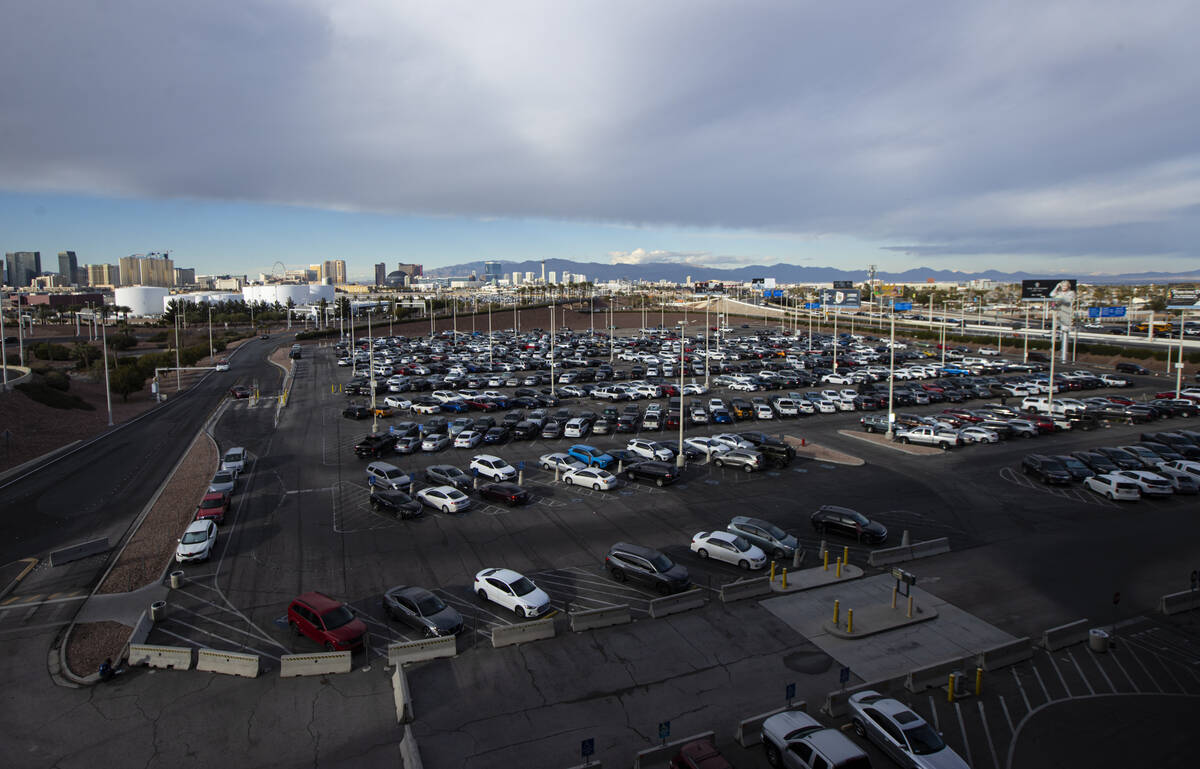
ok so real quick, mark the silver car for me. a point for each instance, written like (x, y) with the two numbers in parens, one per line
(747, 460)
(902, 734)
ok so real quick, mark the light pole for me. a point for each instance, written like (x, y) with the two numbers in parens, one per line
(371, 359)
(679, 460)
(892, 371)
(706, 338)
(491, 362)
(3, 346)
(210, 344)
(104, 351)
(552, 382)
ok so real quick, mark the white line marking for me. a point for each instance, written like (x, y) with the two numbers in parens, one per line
(988, 733)
(207, 618)
(962, 727)
(933, 710)
(258, 631)
(1086, 682)
(214, 635)
(1045, 691)
(1145, 670)
(1062, 680)
(1112, 656)
(1024, 696)
(1007, 717)
(1096, 660)
(1163, 663)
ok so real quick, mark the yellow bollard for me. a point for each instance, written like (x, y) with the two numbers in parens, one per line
(846, 555)
(839, 568)
(826, 560)
(785, 578)
(909, 615)
(894, 592)
(950, 689)
(772, 571)
(978, 681)
(849, 620)
(836, 605)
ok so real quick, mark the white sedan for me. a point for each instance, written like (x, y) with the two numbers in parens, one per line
(445, 498)
(730, 548)
(197, 541)
(592, 477)
(706, 446)
(975, 434)
(396, 402)
(513, 591)
(694, 388)
(222, 365)
(467, 439)
(558, 459)
(1113, 486)
(733, 441)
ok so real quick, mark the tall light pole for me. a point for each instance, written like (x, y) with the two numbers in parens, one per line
(104, 352)
(178, 383)
(892, 372)
(371, 359)
(706, 338)
(491, 361)
(3, 346)
(552, 378)
(679, 460)
(211, 352)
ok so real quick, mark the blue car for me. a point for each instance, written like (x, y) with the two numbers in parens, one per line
(457, 407)
(590, 455)
(721, 417)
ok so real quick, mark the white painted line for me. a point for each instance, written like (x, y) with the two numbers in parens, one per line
(962, 727)
(1007, 717)
(1024, 696)
(1113, 656)
(27, 604)
(1164, 665)
(1061, 679)
(1103, 672)
(933, 710)
(1042, 683)
(207, 618)
(988, 733)
(229, 610)
(1138, 660)
(23, 628)
(1086, 682)
(229, 641)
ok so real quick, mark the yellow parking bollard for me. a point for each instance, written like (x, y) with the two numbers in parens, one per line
(772, 571)
(849, 620)
(846, 555)
(826, 560)
(839, 568)
(950, 689)
(894, 593)
(785, 578)
(978, 681)
(836, 605)
(909, 614)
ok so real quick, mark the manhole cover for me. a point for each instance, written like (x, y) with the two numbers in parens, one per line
(810, 662)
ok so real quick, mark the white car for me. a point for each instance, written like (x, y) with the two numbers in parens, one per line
(904, 736)
(838, 379)
(426, 408)
(706, 446)
(716, 404)
(234, 461)
(492, 467)
(592, 477)
(744, 387)
(222, 365)
(396, 402)
(975, 434)
(445, 498)
(1181, 467)
(513, 591)
(577, 428)
(694, 388)
(560, 460)
(647, 449)
(730, 548)
(467, 439)
(197, 541)
(435, 442)
(1113, 486)
(1150, 484)
(733, 441)
(786, 407)
(763, 411)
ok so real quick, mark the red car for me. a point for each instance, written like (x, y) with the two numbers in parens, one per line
(699, 754)
(214, 505)
(240, 391)
(327, 621)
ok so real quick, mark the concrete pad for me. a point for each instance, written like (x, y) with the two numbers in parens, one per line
(125, 608)
(806, 448)
(808, 579)
(881, 439)
(887, 654)
(877, 619)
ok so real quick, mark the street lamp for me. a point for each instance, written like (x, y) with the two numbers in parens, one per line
(892, 371)
(679, 460)
(371, 363)
(210, 344)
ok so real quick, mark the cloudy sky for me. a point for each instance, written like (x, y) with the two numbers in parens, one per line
(1018, 135)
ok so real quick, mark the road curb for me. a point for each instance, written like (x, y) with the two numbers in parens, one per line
(12, 584)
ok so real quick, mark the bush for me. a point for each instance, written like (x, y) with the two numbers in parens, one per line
(188, 356)
(49, 351)
(150, 361)
(122, 341)
(58, 380)
(158, 338)
(48, 396)
(126, 379)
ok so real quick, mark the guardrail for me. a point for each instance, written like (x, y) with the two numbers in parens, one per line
(661, 753)
(674, 604)
(590, 619)
(507, 635)
(749, 730)
(161, 657)
(76, 552)
(745, 588)
(291, 665)
(901, 553)
(228, 663)
(1005, 654)
(1065, 635)
(923, 678)
(403, 696)
(1174, 603)
(410, 757)
(424, 649)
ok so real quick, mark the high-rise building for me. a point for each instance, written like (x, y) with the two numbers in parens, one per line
(151, 270)
(543, 272)
(492, 272)
(314, 272)
(68, 266)
(381, 274)
(23, 267)
(103, 275)
(185, 276)
(334, 271)
(553, 276)
(411, 270)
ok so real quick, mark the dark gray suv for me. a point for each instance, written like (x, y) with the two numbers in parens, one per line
(774, 541)
(647, 566)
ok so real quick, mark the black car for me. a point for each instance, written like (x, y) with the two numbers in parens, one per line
(356, 412)
(506, 492)
(1132, 368)
(1046, 468)
(395, 502)
(646, 566)
(1079, 470)
(773, 540)
(551, 430)
(498, 434)
(423, 611)
(1175, 408)
(375, 445)
(831, 519)
(1122, 459)
(662, 473)
(525, 430)
(1097, 462)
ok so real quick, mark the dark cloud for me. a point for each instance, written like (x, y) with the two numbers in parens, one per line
(1060, 129)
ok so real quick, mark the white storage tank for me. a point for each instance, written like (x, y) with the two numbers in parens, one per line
(142, 300)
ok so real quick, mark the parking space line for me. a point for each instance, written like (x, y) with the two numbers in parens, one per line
(216, 621)
(1045, 691)
(1124, 672)
(933, 709)
(1145, 670)
(223, 638)
(1086, 682)
(987, 732)
(1024, 696)
(1007, 717)
(1103, 672)
(1162, 662)
(590, 586)
(1058, 671)
(963, 728)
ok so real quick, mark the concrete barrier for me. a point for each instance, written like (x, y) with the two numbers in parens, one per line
(930, 547)
(749, 730)
(901, 553)
(837, 703)
(660, 754)
(76, 552)
(425, 649)
(507, 635)
(409, 755)
(313, 664)
(1005, 654)
(1065, 635)
(402, 695)
(745, 588)
(162, 657)
(674, 604)
(227, 663)
(141, 631)
(936, 674)
(1175, 603)
(590, 619)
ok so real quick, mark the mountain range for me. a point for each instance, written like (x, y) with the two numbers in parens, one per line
(786, 273)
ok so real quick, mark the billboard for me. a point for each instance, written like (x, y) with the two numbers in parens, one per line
(831, 297)
(1183, 297)
(843, 284)
(1042, 290)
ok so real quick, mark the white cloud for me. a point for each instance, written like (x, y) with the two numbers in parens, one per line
(698, 258)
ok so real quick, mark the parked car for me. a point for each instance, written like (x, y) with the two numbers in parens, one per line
(222, 481)
(1122, 459)
(422, 611)
(386, 476)
(560, 460)
(1045, 468)
(831, 519)
(591, 477)
(730, 548)
(435, 442)
(646, 566)
(766, 535)
(197, 541)
(1113, 486)
(662, 473)
(513, 591)
(1148, 483)
(748, 461)
(329, 622)
(213, 506)
(397, 503)
(590, 455)
(448, 475)
(699, 754)
(468, 439)
(375, 445)
(445, 498)
(647, 450)
(900, 733)
(234, 460)
(492, 467)
(356, 412)
(508, 493)
(788, 736)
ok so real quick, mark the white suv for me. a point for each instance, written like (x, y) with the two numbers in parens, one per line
(492, 467)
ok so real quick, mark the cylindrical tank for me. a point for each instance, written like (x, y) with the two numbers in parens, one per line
(142, 300)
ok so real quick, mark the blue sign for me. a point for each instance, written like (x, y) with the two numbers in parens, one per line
(587, 747)
(812, 305)
(521, 465)
(1106, 312)
(901, 306)
(791, 692)
(844, 676)
(664, 730)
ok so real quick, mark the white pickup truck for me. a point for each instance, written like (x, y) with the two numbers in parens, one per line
(929, 436)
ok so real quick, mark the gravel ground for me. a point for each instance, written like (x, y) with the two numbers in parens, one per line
(91, 642)
(152, 546)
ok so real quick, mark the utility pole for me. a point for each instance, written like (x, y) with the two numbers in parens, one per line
(107, 389)
(178, 383)
(210, 342)
(892, 371)
(3, 347)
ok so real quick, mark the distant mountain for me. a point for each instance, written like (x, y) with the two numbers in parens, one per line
(787, 273)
